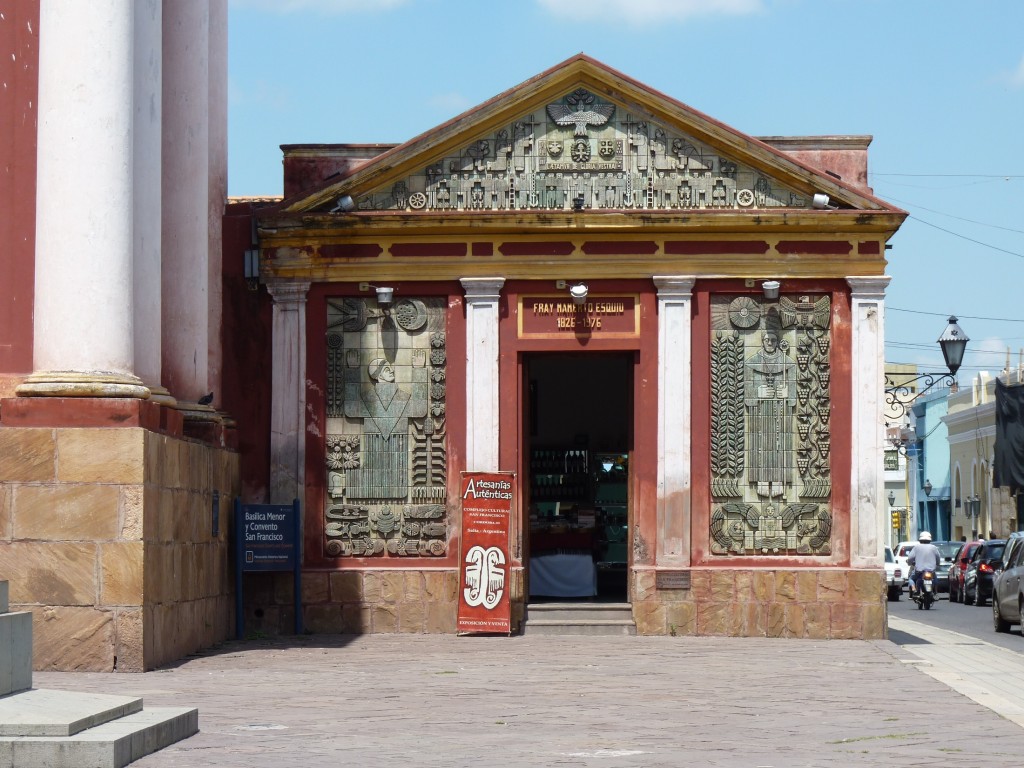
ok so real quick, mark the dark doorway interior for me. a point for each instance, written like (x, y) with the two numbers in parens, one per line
(579, 416)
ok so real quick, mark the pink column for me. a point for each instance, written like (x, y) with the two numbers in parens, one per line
(185, 311)
(288, 398)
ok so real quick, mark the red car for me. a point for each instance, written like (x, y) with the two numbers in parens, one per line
(959, 568)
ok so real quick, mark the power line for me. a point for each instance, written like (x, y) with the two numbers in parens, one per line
(951, 216)
(968, 239)
(910, 346)
(954, 175)
(961, 317)
(976, 368)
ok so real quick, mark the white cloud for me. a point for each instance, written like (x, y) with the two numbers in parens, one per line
(639, 12)
(321, 6)
(259, 93)
(1016, 77)
(450, 103)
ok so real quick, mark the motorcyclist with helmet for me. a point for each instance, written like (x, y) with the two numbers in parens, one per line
(923, 557)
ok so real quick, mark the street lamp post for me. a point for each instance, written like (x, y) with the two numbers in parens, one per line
(974, 511)
(953, 343)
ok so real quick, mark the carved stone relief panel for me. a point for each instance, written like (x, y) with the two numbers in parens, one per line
(584, 150)
(386, 451)
(771, 485)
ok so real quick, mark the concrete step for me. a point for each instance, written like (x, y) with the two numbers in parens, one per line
(15, 649)
(111, 745)
(581, 627)
(579, 619)
(39, 712)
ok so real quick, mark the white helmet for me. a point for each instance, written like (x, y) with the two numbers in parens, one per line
(925, 536)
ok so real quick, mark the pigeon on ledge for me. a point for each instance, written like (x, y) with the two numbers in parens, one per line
(206, 399)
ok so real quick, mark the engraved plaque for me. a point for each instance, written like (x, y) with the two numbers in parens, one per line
(672, 580)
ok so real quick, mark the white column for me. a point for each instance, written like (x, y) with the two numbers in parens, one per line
(675, 311)
(186, 189)
(288, 394)
(482, 348)
(868, 510)
(146, 157)
(84, 306)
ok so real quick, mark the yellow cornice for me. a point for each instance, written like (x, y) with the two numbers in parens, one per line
(578, 268)
(368, 227)
(298, 256)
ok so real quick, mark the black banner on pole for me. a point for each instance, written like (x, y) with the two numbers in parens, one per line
(267, 538)
(1008, 466)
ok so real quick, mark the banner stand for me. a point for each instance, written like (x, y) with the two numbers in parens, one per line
(485, 563)
(267, 538)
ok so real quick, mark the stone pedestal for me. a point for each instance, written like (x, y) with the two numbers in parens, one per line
(15, 647)
(107, 534)
(63, 728)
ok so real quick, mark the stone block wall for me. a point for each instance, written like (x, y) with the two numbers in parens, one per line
(354, 602)
(106, 537)
(363, 601)
(832, 603)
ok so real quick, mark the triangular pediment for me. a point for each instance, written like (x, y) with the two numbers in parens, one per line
(580, 136)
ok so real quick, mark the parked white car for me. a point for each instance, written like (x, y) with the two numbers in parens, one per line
(900, 554)
(895, 576)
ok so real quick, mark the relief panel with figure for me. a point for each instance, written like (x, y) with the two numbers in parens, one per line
(771, 484)
(386, 453)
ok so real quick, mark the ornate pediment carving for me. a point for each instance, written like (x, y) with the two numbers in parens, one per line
(584, 150)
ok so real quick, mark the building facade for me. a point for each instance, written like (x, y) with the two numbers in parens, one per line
(113, 460)
(979, 508)
(669, 331)
(928, 466)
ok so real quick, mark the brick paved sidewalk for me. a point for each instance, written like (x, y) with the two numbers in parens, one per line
(415, 700)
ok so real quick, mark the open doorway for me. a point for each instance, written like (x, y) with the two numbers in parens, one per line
(578, 437)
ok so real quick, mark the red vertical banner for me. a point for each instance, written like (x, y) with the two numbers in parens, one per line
(485, 563)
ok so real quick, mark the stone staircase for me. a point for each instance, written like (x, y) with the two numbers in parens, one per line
(63, 729)
(579, 619)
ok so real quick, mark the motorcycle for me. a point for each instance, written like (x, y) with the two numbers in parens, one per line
(925, 596)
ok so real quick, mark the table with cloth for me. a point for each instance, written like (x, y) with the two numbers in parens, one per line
(562, 564)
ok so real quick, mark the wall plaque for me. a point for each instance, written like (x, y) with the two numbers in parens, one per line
(556, 316)
(672, 580)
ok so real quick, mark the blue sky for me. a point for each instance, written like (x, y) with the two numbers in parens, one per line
(938, 83)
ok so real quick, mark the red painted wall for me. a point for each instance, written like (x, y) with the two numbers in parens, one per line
(19, 72)
(246, 340)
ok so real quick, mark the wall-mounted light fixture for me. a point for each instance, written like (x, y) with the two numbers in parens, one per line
(252, 268)
(953, 343)
(344, 204)
(771, 289)
(579, 293)
(820, 202)
(385, 295)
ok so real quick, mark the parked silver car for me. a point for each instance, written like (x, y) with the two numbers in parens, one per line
(1007, 589)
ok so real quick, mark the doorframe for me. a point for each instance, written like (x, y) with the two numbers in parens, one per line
(528, 403)
(642, 493)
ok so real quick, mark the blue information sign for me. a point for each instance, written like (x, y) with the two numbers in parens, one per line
(267, 538)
